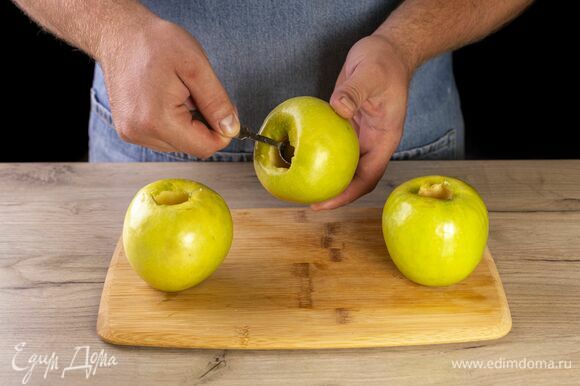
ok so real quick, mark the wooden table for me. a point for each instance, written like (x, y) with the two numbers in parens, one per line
(59, 224)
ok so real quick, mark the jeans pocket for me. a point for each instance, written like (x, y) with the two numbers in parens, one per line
(100, 110)
(104, 142)
(444, 147)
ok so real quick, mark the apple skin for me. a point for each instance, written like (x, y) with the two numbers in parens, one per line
(433, 241)
(176, 245)
(325, 157)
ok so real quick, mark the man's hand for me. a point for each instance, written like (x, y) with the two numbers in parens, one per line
(371, 91)
(372, 87)
(155, 73)
(154, 76)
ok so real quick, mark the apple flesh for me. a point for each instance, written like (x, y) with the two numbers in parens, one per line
(176, 233)
(436, 229)
(326, 152)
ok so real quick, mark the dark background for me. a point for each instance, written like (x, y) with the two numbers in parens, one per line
(517, 88)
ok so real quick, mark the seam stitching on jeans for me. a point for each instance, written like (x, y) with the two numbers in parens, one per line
(100, 110)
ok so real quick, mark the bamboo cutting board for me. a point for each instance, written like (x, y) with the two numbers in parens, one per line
(298, 279)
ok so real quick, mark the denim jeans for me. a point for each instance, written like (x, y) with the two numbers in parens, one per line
(265, 52)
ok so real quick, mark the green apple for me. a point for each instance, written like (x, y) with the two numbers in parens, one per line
(176, 233)
(436, 229)
(325, 157)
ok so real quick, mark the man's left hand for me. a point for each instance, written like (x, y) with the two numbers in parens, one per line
(371, 91)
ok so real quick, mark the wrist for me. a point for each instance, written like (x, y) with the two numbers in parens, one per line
(404, 51)
(122, 30)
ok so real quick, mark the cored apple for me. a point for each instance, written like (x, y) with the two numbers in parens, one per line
(176, 233)
(326, 152)
(436, 229)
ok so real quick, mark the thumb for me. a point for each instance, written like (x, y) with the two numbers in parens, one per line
(212, 100)
(352, 92)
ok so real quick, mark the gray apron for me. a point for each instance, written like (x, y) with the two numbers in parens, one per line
(265, 52)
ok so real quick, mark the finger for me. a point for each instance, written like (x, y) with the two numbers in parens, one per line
(210, 97)
(154, 144)
(370, 169)
(339, 81)
(368, 174)
(133, 135)
(161, 146)
(341, 77)
(352, 92)
(192, 136)
(190, 105)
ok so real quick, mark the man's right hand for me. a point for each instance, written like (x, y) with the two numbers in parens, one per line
(152, 75)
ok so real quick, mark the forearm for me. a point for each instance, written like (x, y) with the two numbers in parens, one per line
(91, 25)
(422, 29)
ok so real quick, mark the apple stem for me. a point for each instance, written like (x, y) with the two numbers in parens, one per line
(440, 191)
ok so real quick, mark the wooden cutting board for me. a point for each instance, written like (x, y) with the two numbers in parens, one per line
(298, 279)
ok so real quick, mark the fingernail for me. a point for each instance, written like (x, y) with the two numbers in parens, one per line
(346, 102)
(230, 126)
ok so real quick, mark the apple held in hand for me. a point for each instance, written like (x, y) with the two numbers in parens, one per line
(435, 229)
(326, 152)
(176, 233)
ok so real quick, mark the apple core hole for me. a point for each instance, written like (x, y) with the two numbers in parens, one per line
(278, 161)
(168, 197)
(288, 152)
(440, 191)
